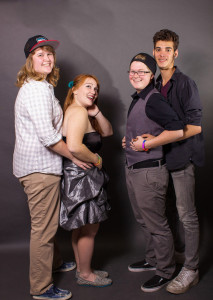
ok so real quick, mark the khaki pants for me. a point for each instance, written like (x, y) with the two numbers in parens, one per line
(43, 192)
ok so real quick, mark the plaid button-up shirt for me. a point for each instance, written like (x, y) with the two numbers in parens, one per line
(38, 123)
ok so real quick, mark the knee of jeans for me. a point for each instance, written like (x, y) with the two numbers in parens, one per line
(188, 218)
(161, 231)
(141, 223)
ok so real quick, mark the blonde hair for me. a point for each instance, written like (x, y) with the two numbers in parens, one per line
(77, 82)
(140, 56)
(27, 71)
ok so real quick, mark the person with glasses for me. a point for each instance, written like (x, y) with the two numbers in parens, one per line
(146, 173)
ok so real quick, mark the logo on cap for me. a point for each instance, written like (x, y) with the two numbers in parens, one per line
(40, 39)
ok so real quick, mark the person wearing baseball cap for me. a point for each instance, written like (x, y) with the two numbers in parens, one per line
(37, 161)
(38, 41)
(146, 173)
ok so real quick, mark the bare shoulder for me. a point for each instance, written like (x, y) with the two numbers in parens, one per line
(79, 110)
(74, 117)
(75, 112)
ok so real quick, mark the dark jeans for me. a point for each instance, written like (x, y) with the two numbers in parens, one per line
(147, 192)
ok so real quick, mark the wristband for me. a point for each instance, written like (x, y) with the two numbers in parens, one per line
(99, 160)
(143, 146)
(97, 113)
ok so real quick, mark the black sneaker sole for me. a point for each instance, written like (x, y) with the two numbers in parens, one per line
(154, 289)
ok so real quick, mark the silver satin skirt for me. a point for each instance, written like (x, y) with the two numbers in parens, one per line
(83, 196)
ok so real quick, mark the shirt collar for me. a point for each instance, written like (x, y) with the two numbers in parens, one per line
(174, 76)
(45, 81)
(144, 92)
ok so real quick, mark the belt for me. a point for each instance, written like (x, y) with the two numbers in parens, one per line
(148, 164)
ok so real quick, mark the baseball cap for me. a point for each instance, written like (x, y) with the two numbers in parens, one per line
(38, 41)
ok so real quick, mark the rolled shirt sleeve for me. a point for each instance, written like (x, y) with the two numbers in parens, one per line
(190, 102)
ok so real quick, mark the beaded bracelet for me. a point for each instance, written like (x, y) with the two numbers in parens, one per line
(99, 160)
(143, 146)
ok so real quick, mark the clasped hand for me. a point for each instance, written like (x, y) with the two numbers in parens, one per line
(136, 143)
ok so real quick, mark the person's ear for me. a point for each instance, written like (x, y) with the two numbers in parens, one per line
(74, 91)
(176, 53)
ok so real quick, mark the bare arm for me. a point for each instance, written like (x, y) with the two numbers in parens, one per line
(190, 130)
(165, 137)
(105, 125)
(61, 149)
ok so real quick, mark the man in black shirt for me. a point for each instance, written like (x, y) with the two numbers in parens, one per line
(181, 157)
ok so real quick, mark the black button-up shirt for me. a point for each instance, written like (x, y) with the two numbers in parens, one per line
(184, 98)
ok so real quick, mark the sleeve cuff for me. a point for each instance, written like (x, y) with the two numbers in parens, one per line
(53, 140)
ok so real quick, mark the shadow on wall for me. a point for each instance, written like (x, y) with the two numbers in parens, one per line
(76, 34)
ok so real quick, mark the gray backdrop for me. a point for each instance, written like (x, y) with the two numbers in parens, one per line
(101, 37)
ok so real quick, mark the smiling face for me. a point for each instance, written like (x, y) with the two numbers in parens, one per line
(43, 61)
(139, 82)
(87, 93)
(164, 54)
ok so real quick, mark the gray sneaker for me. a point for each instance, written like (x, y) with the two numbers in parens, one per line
(184, 281)
(99, 282)
(100, 273)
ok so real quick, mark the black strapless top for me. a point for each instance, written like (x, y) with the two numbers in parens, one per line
(92, 140)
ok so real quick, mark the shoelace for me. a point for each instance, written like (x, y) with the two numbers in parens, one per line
(182, 276)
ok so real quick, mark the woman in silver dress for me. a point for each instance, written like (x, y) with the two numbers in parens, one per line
(84, 201)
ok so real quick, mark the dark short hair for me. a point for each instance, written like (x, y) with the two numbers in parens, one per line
(166, 35)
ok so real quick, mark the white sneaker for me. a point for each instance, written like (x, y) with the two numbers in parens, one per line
(184, 281)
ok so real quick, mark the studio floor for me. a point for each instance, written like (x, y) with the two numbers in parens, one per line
(113, 257)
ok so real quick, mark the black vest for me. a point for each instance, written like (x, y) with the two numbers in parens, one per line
(137, 124)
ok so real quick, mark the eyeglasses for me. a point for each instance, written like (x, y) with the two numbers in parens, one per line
(139, 73)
